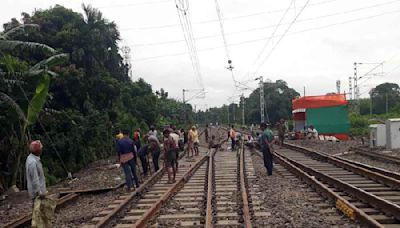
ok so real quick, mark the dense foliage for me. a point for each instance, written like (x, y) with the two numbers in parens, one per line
(84, 100)
(278, 104)
(384, 103)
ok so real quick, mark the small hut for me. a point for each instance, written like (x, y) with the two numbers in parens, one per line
(327, 113)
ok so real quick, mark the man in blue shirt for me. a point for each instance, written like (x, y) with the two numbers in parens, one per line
(126, 154)
(265, 140)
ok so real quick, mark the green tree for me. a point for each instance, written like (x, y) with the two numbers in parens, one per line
(384, 97)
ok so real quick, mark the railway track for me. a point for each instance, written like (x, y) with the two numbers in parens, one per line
(217, 195)
(136, 208)
(66, 196)
(377, 156)
(363, 194)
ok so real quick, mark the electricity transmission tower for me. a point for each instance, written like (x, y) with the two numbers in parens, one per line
(262, 102)
(127, 59)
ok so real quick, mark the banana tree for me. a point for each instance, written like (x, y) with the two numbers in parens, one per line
(41, 71)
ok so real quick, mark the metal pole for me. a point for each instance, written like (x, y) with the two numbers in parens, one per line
(350, 88)
(370, 104)
(243, 120)
(184, 106)
(234, 112)
(229, 121)
(262, 103)
(387, 104)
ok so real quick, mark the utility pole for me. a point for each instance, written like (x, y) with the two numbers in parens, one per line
(243, 120)
(370, 104)
(184, 105)
(338, 86)
(356, 89)
(262, 102)
(350, 88)
(387, 104)
(234, 112)
(229, 121)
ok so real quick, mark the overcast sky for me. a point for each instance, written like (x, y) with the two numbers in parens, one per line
(319, 48)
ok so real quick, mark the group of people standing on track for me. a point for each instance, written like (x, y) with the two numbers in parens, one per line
(130, 151)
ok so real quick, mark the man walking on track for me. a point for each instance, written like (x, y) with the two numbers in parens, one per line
(190, 146)
(266, 139)
(170, 155)
(232, 135)
(281, 131)
(196, 141)
(126, 155)
(206, 133)
(175, 137)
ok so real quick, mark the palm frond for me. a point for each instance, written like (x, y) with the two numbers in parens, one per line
(50, 62)
(8, 100)
(12, 33)
(13, 45)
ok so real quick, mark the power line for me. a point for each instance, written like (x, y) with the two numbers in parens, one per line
(221, 25)
(133, 4)
(280, 39)
(216, 20)
(273, 33)
(270, 26)
(288, 34)
(182, 7)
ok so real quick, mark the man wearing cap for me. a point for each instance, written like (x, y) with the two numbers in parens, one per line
(265, 140)
(36, 181)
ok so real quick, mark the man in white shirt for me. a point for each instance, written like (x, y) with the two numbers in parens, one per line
(36, 181)
(312, 133)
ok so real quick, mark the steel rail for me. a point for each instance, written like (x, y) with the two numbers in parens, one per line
(151, 212)
(389, 181)
(341, 204)
(209, 213)
(373, 169)
(92, 190)
(27, 218)
(378, 202)
(246, 211)
(381, 157)
(105, 221)
(365, 166)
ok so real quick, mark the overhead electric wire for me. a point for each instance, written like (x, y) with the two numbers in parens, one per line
(270, 26)
(216, 20)
(133, 4)
(221, 26)
(273, 33)
(184, 19)
(289, 34)
(281, 38)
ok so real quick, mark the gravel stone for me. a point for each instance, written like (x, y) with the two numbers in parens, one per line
(288, 204)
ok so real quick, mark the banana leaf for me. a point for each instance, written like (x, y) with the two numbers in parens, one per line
(50, 62)
(12, 45)
(38, 101)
